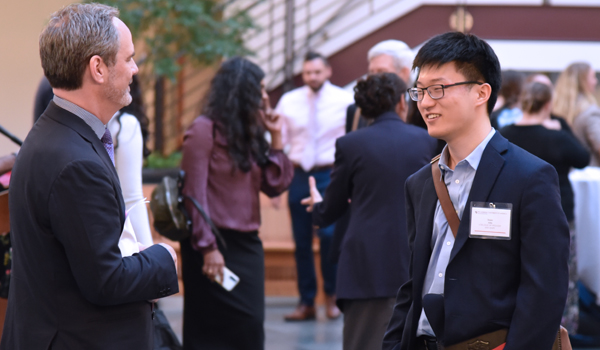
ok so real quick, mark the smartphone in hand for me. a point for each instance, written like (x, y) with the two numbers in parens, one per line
(230, 279)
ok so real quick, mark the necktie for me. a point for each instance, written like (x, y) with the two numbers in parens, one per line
(310, 149)
(108, 145)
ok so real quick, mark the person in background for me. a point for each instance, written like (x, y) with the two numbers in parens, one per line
(388, 56)
(313, 119)
(544, 137)
(510, 92)
(129, 130)
(227, 162)
(575, 102)
(371, 166)
(43, 96)
(7, 162)
(544, 79)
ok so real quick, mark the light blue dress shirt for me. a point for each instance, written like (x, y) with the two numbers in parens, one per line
(509, 116)
(459, 182)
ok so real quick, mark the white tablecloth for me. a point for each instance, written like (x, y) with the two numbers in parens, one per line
(586, 188)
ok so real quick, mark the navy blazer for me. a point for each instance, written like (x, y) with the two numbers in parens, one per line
(519, 284)
(70, 286)
(371, 166)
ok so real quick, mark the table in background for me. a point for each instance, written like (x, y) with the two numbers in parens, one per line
(586, 188)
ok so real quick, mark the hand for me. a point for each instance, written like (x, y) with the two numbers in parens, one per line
(315, 196)
(272, 120)
(276, 202)
(171, 251)
(213, 265)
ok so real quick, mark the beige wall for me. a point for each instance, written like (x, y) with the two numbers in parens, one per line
(20, 69)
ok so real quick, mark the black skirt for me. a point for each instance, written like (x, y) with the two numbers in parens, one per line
(215, 319)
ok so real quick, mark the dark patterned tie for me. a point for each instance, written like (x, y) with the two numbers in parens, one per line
(108, 145)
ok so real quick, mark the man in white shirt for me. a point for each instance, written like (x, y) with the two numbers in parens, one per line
(314, 117)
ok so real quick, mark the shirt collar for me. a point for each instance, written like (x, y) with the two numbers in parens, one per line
(87, 117)
(472, 159)
(321, 90)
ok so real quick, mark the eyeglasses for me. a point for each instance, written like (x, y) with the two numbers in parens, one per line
(435, 91)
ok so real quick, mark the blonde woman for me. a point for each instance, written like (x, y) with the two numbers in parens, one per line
(575, 102)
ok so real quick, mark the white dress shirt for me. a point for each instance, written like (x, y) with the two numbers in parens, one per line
(297, 132)
(128, 162)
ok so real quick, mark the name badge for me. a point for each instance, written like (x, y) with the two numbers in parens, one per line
(490, 220)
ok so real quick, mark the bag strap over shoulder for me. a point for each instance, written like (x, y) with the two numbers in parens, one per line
(443, 196)
(198, 207)
(210, 223)
(356, 119)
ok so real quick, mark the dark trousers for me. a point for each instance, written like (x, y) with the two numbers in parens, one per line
(303, 236)
(365, 322)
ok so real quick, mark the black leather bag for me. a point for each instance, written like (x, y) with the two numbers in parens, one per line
(171, 219)
(164, 337)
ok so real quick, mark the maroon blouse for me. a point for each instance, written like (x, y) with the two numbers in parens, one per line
(229, 198)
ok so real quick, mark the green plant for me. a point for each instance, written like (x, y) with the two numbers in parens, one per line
(193, 29)
(157, 161)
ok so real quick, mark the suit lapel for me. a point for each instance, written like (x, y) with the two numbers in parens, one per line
(74, 122)
(423, 239)
(488, 170)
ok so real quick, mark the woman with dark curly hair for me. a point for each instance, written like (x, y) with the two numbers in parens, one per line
(228, 161)
(371, 166)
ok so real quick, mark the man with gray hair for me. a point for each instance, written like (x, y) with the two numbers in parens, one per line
(391, 56)
(388, 56)
(70, 286)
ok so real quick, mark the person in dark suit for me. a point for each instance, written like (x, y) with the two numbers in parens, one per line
(70, 286)
(388, 56)
(509, 289)
(370, 168)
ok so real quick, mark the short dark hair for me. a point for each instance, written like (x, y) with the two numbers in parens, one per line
(378, 93)
(474, 58)
(535, 96)
(312, 55)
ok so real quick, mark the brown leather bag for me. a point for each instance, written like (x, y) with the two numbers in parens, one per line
(562, 341)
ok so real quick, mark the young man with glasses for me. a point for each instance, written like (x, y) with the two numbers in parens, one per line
(494, 275)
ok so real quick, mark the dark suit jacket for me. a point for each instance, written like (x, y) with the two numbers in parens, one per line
(371, 166)
(70, 287)
(341, 225)
(520, 284)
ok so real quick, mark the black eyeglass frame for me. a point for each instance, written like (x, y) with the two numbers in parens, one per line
(416, 89)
